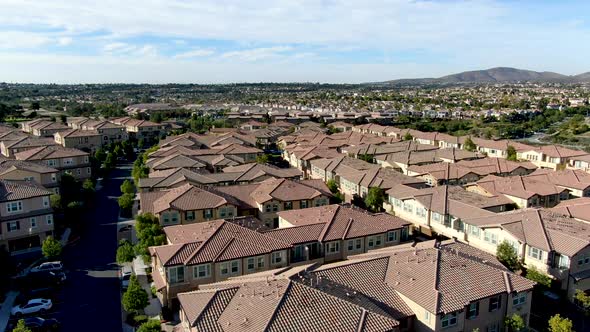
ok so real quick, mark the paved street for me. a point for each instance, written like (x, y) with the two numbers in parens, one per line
(91, 296)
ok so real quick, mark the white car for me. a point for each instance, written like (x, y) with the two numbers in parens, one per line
(48, 266)
(31, 307)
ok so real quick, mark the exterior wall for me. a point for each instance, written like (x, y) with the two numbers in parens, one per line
(48, 180)
(79, 166)
(199, 215)
(271, 216)
(90, 143)
(492, 152)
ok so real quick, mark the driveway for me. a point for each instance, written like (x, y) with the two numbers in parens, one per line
(91, 297)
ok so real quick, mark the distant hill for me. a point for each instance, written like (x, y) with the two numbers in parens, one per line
(496, 75)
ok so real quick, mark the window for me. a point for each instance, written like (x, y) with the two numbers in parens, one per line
(235, 267)
(268, 208)
(473, 310)
(79, 171)
(202, 271)
(277, 257)
(13, 226)
(208, 213)
(359, 244)
(333, 247)
(562, 261)
(260, 262)
(45, 201)
(303, 204)
(14, 206)
(371, 242)
(288, 205)
(174, 217)
(51, 162)
(49, 219)
(88, 170)
(535, 253)
(222, 212)
(28, 178)
(495, 303)
(33, 222)
(190, 215)
(68, 161)
(53, 177)
(350, 245)
(250, 264)
(474, 230)
(378, 240)
(490, 237)
(176, 274)
(494, 327)
(397, 202)
(519, 299)
(436, 217)
(275, 207)
(449, 320)
(427, 316)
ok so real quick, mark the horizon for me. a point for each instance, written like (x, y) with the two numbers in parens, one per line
(208, 42)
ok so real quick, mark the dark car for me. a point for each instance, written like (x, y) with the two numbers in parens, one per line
(125, 228)
(38, 324)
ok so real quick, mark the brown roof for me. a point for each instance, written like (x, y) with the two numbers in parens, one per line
(213, 241)
(518, 186)
(15, 190)
(11, 164)
(49, 152)
(578, 208)
(441, 279)
(569, 178)
(184, 198)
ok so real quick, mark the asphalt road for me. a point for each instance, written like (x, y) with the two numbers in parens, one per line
(91, 297)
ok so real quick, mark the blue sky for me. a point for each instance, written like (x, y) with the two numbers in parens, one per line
(219, 41)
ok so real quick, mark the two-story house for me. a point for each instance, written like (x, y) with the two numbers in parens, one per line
(16, 170)
(86, 140)
(26, 217)
(67, 160)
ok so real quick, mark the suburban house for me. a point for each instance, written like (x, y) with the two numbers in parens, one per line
(548, 241)
(264, 200)
(440, 210)
(86, 140)
(284, 300)
(43, 128)
(357, 183)
(202, 253)
(577, 208)
(401, 161)
(524, 191)
(550, 156)
(447, 286)
(10, 147)
(335, 232)
(15, 170)
(140, 129)
(186, 204)
(580, 162)
(327, 169)
(26, 217)
(67, 160)
(577, 182)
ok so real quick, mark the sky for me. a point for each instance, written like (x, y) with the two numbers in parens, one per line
(327, 41)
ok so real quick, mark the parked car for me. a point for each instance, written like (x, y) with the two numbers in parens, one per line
(125, 275)
(125, 228)
(38, 324)
(48, 266)
(32, 307)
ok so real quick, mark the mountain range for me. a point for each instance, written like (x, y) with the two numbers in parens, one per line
(496, 75)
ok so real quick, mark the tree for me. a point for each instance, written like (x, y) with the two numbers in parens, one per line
(63, 118)
(333, 186)
(128, 187)
(262, 158)
(156, 117)
(469, 145)
(583, 299)
(35, 105)
(21, 327)
(511, 153)
(110, 161)
(135, 298)
(126, 202)
(514, 323)
(125, 252)
(508, 256)
(539, 277)
(100, 155)
(151, 325)
(366, 157)
(407, 137)
(88, 186)
(374, 199)
(559, 324)
(51, 248)
(55, 201)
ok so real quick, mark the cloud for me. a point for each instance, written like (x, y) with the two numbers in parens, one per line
(64, 41)
(195, 53)
(256, 54)
(22, 40)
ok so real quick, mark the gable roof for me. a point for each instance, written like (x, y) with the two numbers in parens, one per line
(11, 190)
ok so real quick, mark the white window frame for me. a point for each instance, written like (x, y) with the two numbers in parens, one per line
(12, 226)
(535, 253)
(276, 257)
(250, 261)
(49, 219)
(519, 299)
(33, 222)
(173, 274)
(198, 269)
(333, 247)
(15, 206)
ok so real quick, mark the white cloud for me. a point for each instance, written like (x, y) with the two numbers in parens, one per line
(64, 41)
(256, 54)
(196, 53)
(22, 40)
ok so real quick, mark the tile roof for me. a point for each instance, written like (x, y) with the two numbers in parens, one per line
(11, 164)
(439, 278)
(578, 208)
(518, 186)
(49, 152)
(11, 190)
(184, 198)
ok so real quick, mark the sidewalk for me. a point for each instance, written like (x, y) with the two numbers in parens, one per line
(154, 308)
(6, 308)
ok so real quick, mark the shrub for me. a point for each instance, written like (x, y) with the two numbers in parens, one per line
(559, 324)
(135, 298)
(51, 248)
(125, 252)
(150, 326)
(539, 277)
(508, 256)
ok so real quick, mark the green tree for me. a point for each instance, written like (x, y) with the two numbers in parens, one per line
(333, 186)
(149, 233)
(560, 324)
(88, 186)
(125, 252)
(151, 325)
(583, 299)
(508, 256)
(367, 157)
(374, 199)
(21, 327)
(469, 145)
(110, 161)
(407, 137)
(135, 298)
(51, 248)
(55, 200)
(511, 153)
(100, 155)
(35, 105)
(156, 117)
(127, 187)
(126, 201)
(514, 323)
(539, 277)
(63, 118)
(262, 158)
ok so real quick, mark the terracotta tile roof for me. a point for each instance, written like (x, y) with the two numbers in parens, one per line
(541, 229)
(383, 178)
(518, 186)
(11, 164)
(28, 142)
(578, 208)
(184, 198)
(338, 222)
(495, 165)
(440, 279)
(15, 190)
(49, 152)
(78, 133)
(213, 241)
(279, 304)
(571, 179)
(174, 161)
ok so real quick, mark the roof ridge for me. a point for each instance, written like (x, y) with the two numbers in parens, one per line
(198, 249)
(436, 280)
(328, 225)
(546, 237)
(276, 308)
